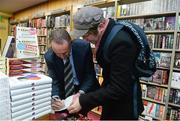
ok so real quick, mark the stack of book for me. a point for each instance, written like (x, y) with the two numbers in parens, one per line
(2, 64)
(30, 96)
(17, 66)
(5, 114)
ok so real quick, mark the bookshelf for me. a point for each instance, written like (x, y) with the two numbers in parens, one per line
(164, 14)
(39, 22)
(44, 24)
(154, 101)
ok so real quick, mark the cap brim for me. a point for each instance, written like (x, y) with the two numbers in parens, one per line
(78, 33)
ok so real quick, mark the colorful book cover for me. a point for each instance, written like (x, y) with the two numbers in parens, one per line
(26, 43)
(158, 76)
(165, 60)
(177, 60)
(29, 80)
(170, 23)
(175, 80)
(157, 58)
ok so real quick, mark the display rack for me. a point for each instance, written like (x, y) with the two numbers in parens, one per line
(164, 104)
(173, 50)
(39, 22)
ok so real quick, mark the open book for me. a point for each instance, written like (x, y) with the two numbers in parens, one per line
(67, 103)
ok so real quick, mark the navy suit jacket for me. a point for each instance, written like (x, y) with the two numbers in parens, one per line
(83, 64)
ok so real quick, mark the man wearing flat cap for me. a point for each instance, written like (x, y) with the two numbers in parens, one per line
(116, 94)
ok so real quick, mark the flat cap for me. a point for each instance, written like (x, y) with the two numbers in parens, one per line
(86, 18)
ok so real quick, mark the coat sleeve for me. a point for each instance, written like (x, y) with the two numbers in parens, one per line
(119, 84)
(90, 82)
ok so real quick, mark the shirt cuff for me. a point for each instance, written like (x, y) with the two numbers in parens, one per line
(81, 92)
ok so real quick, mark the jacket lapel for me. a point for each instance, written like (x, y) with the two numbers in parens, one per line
(75, 60)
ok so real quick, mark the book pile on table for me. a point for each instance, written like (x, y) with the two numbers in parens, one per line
(30, 96)
(5, 114)
(3, 64)
(16, 67)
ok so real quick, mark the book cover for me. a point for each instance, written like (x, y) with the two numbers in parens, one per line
(151, 92)
(165, 60)
(177, 60)
(30, 109)
(157, 58)
(30, 94)
(9, 48)
(151, 39)
(158, 76)
(165, 77)
(175, 80)
(144, 90)
(29, 104)
(148, 24)
(29, 80)
(26, 43)
(32, 114)
(170, 23)
(30, 89)
(39, 114)
(45, 96)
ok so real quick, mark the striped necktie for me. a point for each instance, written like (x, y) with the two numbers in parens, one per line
(68, 78)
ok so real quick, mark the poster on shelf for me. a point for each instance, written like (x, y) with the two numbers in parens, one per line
(26, 43)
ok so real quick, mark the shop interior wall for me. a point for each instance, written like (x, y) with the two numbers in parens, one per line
(49, 6)
(3, 29)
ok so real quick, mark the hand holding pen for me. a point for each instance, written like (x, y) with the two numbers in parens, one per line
(57, 103)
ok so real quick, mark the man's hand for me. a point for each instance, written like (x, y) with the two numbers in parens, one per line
(57, 104)
(75, 105)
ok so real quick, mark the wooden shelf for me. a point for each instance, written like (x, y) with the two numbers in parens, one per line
(39, 16)
(159, 49)
(154, 101)
(40, 27)
(154, 84)
(147, 15)
(176, 69)
(24, 21)
(156, 118)
(175, 88)
(163, 68)
(160, 32)
(59, 12)
(42, 44)
(41, 35)
(177, 50)
(102, 4)
(175, 105)
(42, 53)
(130, 1)
(61, 27)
